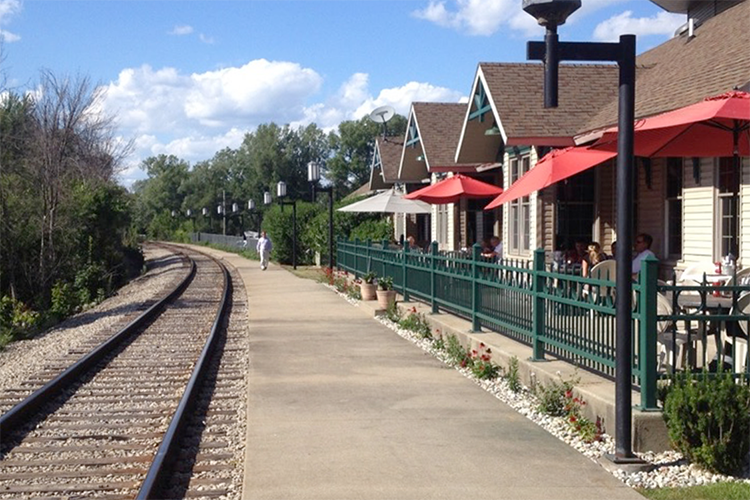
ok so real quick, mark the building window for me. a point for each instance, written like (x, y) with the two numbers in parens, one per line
(729, 198)
(519, 210)
(674, 207)
(442, 226)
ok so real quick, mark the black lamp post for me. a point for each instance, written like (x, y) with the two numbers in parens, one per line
(251, 209)
(313, 176)
(551, 14)
(280, 194)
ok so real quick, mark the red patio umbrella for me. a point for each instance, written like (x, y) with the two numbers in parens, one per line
(554, 167)
(452, 189)
(716, 126)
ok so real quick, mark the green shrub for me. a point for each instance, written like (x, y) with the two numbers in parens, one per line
(481, 363)
(457, 354)
(552, 396)
(16, 320)
(385, 283)
(416, 323)
(393, 313)
(512, 377)
(64, 300)
(708, 419)
(375, 230)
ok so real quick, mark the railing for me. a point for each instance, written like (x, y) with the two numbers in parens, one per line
(220, 239)
(563, 315)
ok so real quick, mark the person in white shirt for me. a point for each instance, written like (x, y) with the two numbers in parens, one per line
(264, 248)
(642, 250)
(497, 249)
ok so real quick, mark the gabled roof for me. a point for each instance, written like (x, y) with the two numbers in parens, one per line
(432, 135)
(388, 151)
(515, 93)
(683, 70)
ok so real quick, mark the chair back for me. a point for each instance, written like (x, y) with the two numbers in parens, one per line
(663, 308)
(743, 307)
(741, 277)
(605, 270)
(696, 271)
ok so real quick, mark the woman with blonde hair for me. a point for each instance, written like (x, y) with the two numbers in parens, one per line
(593, 257)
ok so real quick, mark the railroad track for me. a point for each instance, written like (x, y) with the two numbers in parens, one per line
(113, 425)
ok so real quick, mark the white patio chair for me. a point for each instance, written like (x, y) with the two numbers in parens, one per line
(671, 344)
(739, 344)
(605, 270)
(696, 271)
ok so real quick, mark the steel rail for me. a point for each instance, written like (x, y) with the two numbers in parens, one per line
(10, 421)
(169, 447)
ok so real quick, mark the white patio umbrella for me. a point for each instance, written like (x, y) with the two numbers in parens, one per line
(388, 202)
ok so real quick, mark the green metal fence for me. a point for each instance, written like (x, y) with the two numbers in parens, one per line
(556, 313)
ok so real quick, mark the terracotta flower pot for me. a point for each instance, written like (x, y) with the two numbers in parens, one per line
(386, 298)
(367, 290)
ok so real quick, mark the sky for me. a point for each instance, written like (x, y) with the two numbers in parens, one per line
(191, 77)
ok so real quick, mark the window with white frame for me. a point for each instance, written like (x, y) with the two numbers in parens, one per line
(728, 206)
(519, 211)
(442, 225)
(674, 207)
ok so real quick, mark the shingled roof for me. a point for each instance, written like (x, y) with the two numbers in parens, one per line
(516, 92)
(389, 149)
(684, 70)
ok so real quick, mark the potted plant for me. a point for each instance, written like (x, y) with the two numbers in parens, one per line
(386, 294)
(368, 286)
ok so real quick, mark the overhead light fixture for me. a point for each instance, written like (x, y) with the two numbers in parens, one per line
(494, 130)
(420, 158)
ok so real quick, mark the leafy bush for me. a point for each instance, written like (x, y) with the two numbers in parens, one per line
(375, 230)
(64, 300)
(708, 419)
(16, 320)
(512, 377)
(417, 323)
(393, 313)
(481, 363)
(552, 395)
(369, 277)
(457, 354)
(278, 224)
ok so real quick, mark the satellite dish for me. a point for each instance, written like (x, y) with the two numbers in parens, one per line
(382, 114)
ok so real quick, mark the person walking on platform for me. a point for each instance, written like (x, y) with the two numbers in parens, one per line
(264, 248)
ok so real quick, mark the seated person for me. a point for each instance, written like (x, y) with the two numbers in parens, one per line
(496, 249)
(641, 250)
(595, 256)
(577, 254)
(412, 244)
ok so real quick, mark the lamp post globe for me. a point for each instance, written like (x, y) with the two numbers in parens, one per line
(251, 204)
(313, 171)
(281, 189)
(267, 198)
(551, 13)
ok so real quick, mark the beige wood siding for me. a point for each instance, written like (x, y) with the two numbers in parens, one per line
(744, 256)
(698, 213)
(606, 205)
(651, 205)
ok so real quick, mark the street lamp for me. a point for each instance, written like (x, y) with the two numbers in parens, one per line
(551, 14)
(313, 176)
(281, 194)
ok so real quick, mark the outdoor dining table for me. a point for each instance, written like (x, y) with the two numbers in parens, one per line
(711, 305)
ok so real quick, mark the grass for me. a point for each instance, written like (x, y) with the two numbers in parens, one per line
(718, 491)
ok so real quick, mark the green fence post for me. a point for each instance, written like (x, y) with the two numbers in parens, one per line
(433, 281)
(404, 272)
(476, 252)
(647, 334)
(538, 310)
(368, 255)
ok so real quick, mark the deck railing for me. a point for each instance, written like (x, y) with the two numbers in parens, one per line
(559, 314)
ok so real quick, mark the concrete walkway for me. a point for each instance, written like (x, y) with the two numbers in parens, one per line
(340, 407)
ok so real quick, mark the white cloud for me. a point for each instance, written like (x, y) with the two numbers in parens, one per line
(9, 37)
(194, 116)
(475, 17)
(206, 39)
(9, 8)
(662, 23)
(181, 30)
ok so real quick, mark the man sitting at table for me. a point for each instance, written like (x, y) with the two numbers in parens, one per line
(642, 250)
(496, 249)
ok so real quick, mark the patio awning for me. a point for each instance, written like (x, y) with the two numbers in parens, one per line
(454, 188)
(554, 167)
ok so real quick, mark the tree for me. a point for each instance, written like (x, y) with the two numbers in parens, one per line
(353, 147)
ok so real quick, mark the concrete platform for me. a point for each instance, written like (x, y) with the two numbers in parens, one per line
(340, 407)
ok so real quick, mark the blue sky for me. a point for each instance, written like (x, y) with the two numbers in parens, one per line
(192, 77)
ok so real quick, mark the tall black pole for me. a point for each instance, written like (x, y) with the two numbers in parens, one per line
(294, 235)
(331, 259)
(624, 258)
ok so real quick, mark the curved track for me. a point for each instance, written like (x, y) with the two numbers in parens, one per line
(106, 427)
